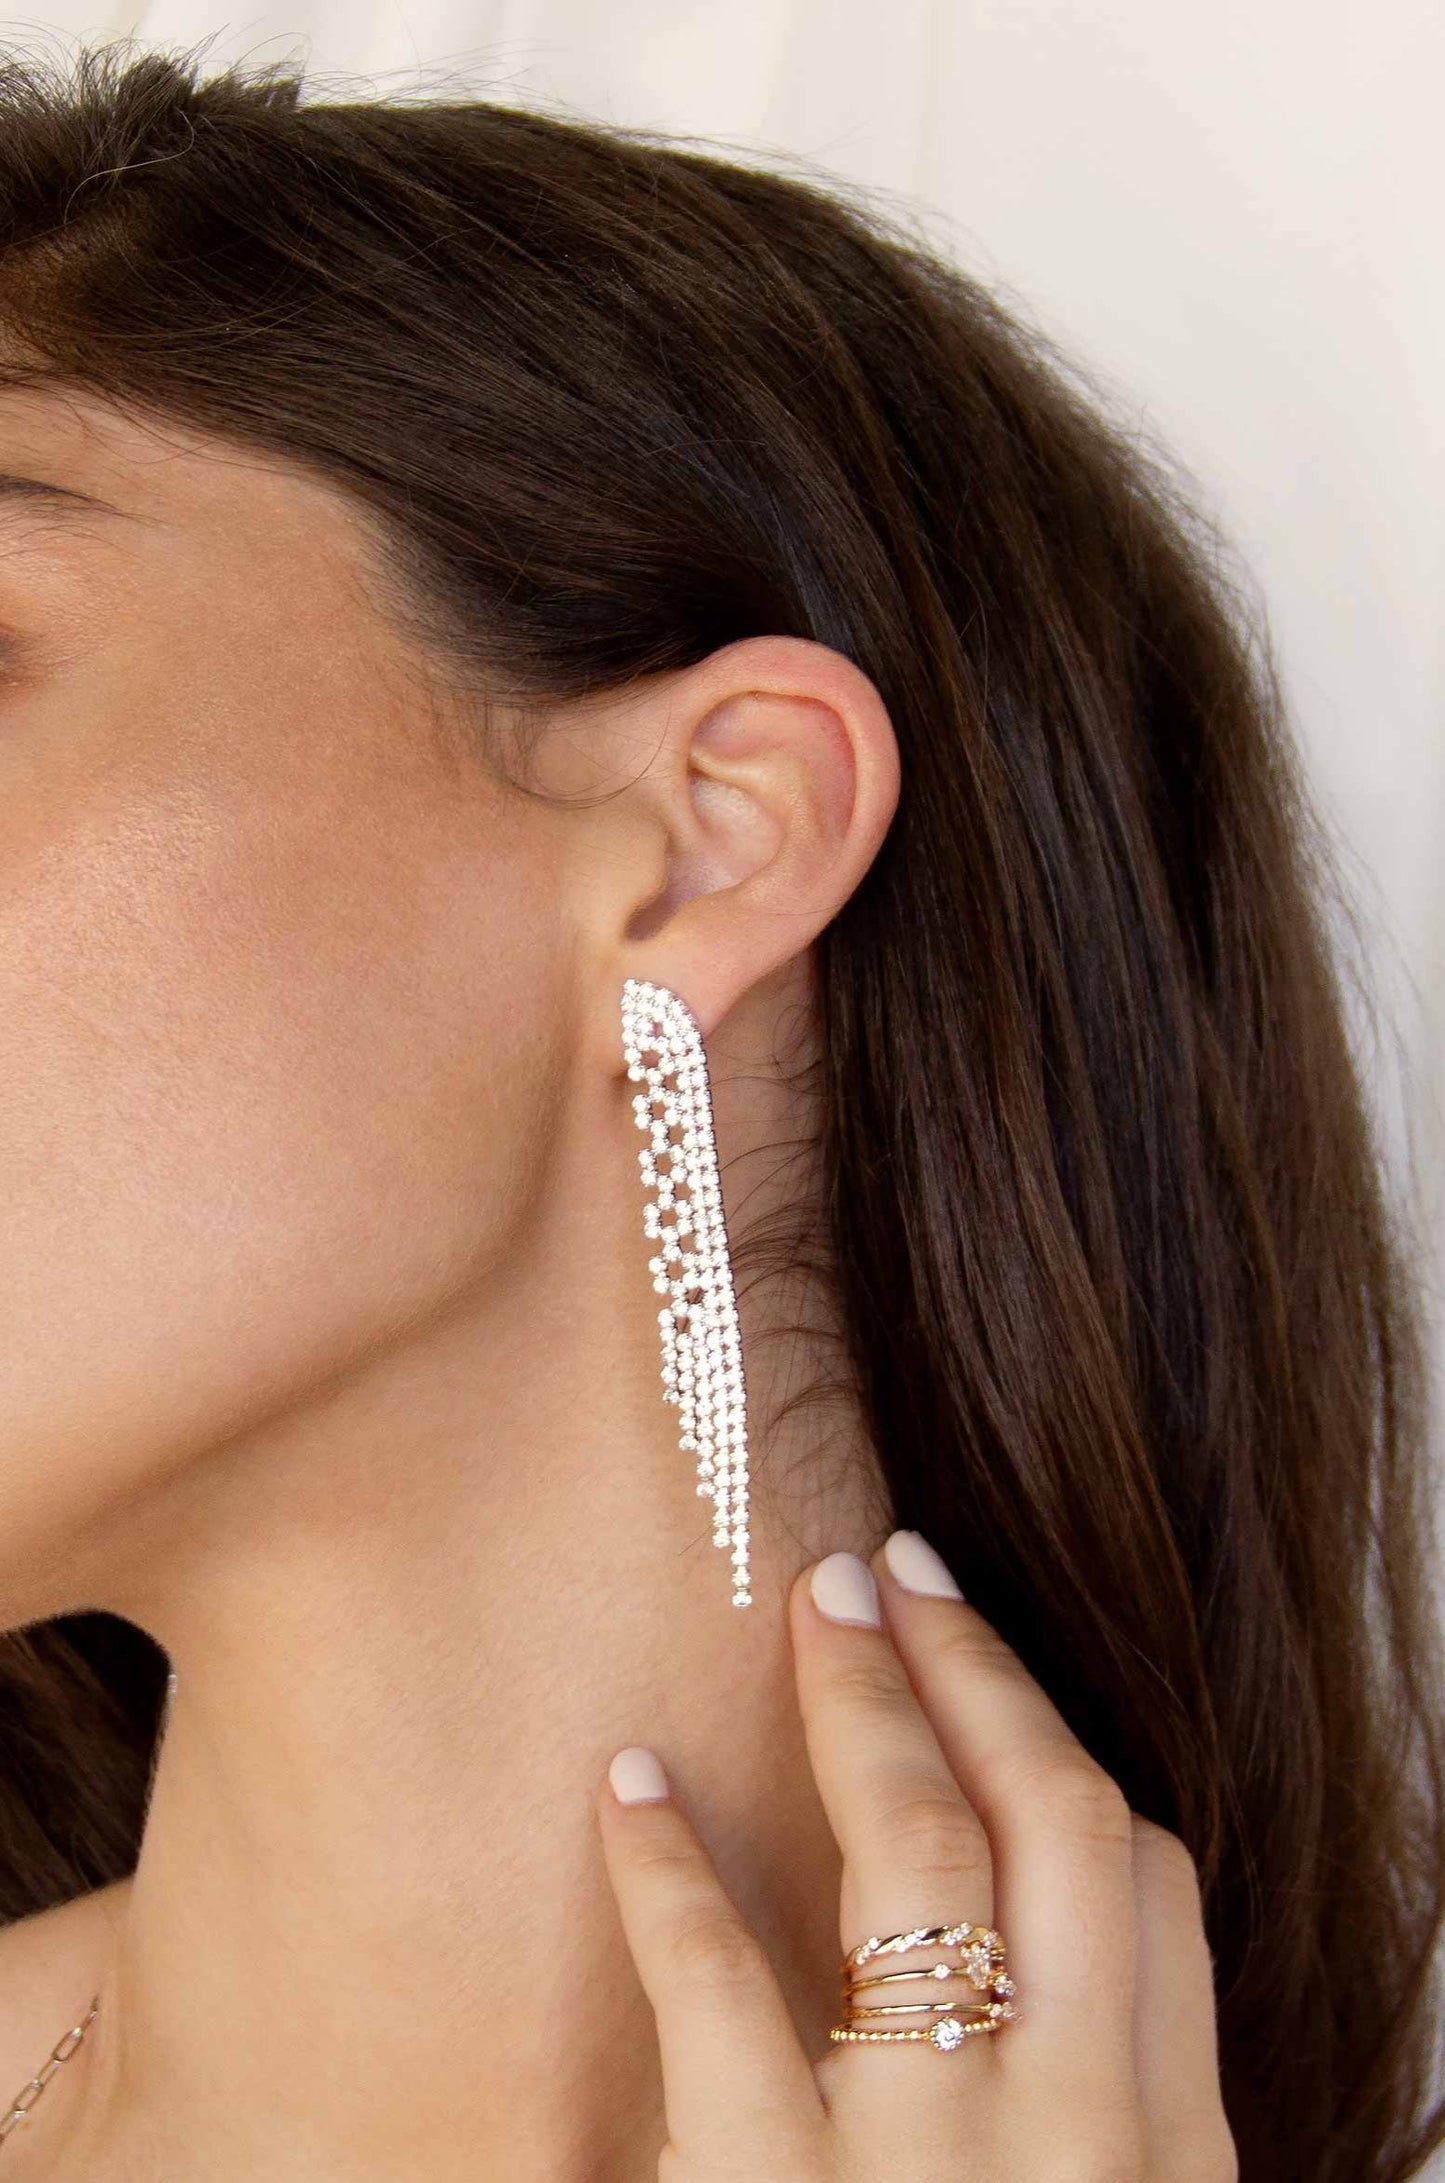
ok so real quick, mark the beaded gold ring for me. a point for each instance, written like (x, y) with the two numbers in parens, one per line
(982, 1963)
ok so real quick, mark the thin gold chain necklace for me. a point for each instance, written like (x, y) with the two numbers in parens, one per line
(28, 2094)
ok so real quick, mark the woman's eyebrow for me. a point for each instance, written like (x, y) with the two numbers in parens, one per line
(14, 488)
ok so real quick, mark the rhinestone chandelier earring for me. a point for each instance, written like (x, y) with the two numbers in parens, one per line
(702, 1369)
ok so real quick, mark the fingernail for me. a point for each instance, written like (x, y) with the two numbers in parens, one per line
(843, 1589)
(637, 1777)
(918, 1568)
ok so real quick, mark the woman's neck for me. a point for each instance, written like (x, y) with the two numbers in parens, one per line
(370, 1932)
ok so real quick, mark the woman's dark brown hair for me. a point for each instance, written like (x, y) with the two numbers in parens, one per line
(1133, 1332)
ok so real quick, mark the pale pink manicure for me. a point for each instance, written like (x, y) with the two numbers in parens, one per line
(637, 1777)
(843, 1589)
(918, 1567)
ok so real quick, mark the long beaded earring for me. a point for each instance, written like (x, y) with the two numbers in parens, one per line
(702, 1370)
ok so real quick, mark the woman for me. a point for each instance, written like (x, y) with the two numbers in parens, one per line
(490, 604)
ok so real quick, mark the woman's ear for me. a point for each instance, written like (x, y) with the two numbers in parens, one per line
(773, 779)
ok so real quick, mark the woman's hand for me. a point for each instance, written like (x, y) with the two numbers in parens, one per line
(956, 1792)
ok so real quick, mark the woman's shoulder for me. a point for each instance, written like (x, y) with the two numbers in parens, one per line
(50, 1966)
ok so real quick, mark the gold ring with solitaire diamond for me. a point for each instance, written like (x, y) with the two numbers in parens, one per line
(982, 1964)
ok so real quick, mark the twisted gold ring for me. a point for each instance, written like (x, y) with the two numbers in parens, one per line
(982, 1963)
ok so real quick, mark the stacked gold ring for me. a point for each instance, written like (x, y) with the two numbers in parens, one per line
(982, 1964)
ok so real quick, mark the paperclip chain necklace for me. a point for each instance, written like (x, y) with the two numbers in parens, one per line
(28, 2094)
(61, 2052)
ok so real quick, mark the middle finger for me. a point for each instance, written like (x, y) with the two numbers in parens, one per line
(1060, 1829)
(914, 1851)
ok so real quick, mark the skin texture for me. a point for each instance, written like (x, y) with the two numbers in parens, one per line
(331, 1353)
(955, 1790)
(332, 1362)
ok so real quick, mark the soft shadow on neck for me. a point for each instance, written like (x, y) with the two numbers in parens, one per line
(370, 1932)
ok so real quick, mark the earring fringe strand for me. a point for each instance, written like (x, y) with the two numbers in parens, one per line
(702, 1371)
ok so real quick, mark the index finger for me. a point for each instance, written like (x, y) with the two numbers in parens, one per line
(735, 2076)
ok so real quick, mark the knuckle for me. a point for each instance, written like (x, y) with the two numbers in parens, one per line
(664, 1864)
(1112, 2148)
(1105, 2138)
(1223, 2164)
(934, 1836)
(972, 1645)
(716, 1952)
(1076, 1797)
(801, 2157)
(1206, 2154)
(1123, 2161)
(1164, 1864)
(870, 1686)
